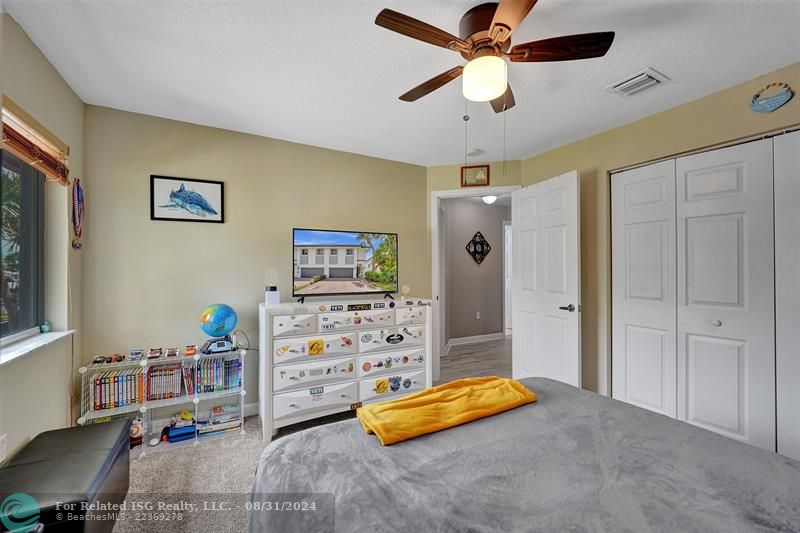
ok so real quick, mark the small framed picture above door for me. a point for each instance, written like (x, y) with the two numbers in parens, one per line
(186, 200)
(475, 176)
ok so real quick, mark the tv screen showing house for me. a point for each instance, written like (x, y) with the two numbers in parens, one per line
(330, 262)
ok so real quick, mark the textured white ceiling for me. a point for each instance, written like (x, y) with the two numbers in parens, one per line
(321, 73)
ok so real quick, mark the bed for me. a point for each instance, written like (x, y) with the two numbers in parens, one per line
(573, 461)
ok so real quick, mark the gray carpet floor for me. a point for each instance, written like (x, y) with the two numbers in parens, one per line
(215, 476)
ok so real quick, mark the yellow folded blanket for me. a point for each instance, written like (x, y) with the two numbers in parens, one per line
(442, 407)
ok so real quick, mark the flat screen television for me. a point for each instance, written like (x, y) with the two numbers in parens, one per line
(335, 262)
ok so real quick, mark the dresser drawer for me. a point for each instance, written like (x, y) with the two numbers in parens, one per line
(287, 325)
(355, 320)
(312, 374)
(410, 315)
(305, 401)
(386, 387)
(298, 349)
(389, 362)
(391, 338)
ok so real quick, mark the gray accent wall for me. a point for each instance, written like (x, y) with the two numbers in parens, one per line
(470, 287)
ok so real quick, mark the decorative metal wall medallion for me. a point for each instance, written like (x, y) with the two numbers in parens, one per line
(478, 248)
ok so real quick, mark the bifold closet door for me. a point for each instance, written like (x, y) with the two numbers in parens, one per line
(726, 292)
(787, 297)
(643, 287)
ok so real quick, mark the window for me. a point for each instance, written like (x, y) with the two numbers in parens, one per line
(21, 247)
(304, 251)
(320, 251)
(334, 251)
(349, 251)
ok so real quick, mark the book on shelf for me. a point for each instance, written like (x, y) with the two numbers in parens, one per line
(218, 374)
(118, 388)
(164, 382)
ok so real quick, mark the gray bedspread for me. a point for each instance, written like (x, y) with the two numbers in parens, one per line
(574, 461)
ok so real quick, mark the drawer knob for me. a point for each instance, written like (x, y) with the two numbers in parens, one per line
(716, 323)
(343, 396)
(293, 405)
(295, 378)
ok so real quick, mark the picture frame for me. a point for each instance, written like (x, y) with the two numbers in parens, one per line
(475, 176)
(186, 199)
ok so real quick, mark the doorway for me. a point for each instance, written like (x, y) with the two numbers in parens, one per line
(460, 337)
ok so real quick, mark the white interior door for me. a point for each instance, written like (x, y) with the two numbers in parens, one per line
(787, 297)
(643, 280)
(726, 294)
(546, 280)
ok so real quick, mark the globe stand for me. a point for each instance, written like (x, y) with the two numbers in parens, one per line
(217, 345)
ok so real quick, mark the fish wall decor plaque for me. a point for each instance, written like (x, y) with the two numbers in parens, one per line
(186, 199)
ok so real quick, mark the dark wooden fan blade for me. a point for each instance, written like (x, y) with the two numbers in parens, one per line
(566, 48)
(509, 15)
(504, 102)
(416, 29)
(432, 84)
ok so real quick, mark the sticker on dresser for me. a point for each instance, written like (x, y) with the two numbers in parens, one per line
(385, 387)
(287, 325)
(307, 374)
(410, 315)
(387, 338)
(388, 362)
(355, 320)
(315, 346)
(313, 400)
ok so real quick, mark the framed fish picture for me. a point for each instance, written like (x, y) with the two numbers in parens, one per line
(186, 200)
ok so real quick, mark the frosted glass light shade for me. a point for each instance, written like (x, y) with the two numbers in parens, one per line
(484, 78)
(489, 200)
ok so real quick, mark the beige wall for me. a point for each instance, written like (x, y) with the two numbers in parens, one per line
(471, 287)
(715, 119)
(145, 282)
(33, 84)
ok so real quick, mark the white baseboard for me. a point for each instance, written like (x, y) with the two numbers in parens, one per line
(459, 341)
(251, 409)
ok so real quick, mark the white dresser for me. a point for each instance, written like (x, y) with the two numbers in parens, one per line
(321, 358)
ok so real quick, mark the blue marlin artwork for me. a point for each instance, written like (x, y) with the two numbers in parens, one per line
(191, 201)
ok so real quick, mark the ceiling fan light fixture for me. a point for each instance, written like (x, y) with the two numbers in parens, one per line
(484, 78)
(489, 199)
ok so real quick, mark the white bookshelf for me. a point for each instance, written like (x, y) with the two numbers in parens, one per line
(151, 411)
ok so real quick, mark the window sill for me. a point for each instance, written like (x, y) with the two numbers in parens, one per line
(21, 348)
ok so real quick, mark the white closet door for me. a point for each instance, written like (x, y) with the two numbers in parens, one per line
(787, 297)
(546, 280)
(643, 287)
(726, 294)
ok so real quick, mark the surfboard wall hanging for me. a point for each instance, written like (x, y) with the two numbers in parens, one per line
(762, 103)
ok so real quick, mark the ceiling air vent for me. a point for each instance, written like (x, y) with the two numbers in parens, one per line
(641, 81)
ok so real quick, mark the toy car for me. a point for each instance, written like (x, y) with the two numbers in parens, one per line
(190, 349)
(136, 354)
(154, 353)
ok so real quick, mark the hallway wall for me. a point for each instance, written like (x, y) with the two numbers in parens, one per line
(472, 288)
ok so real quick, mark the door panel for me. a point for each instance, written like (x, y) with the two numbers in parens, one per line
(644, 316)
(787, 281)
(726, 292)
(546, 277)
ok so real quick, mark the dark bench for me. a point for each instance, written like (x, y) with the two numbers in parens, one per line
(65, 471)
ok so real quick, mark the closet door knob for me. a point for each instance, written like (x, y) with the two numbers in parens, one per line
(716, 323)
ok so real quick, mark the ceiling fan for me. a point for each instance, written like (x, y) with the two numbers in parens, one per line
(484, 41)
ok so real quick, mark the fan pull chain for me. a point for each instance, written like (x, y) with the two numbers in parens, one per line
(465, 118)
(505, 110)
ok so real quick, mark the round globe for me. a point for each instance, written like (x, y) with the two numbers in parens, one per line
(218, 320)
